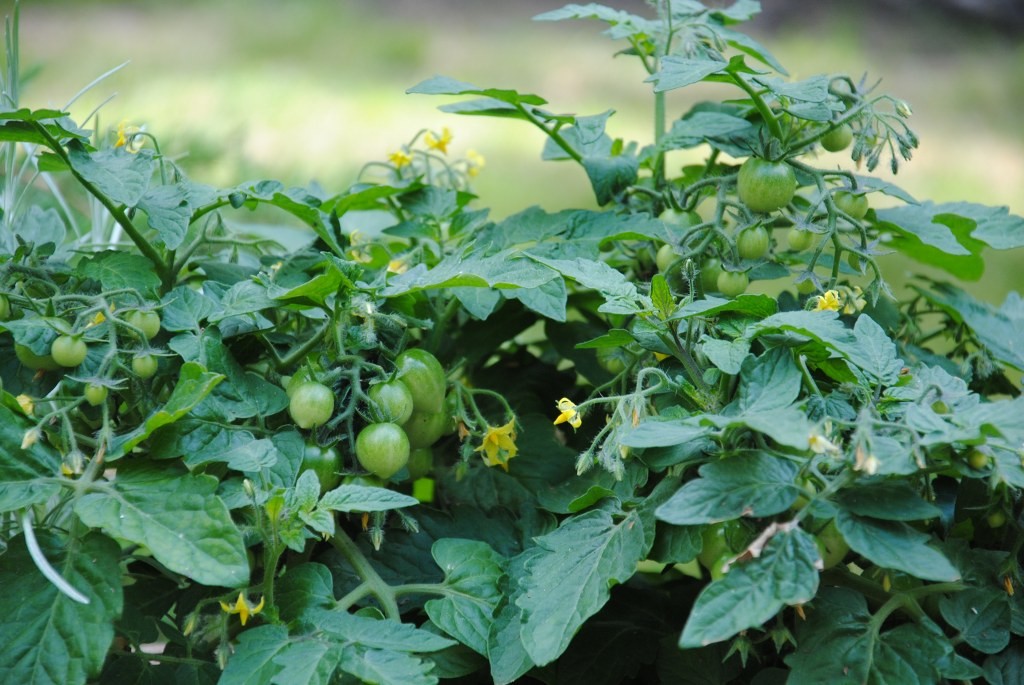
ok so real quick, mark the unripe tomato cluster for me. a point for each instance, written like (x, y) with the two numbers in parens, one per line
(408, 415)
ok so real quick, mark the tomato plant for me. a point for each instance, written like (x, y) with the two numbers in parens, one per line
(567, 416)
(765, 186)
(382, 449)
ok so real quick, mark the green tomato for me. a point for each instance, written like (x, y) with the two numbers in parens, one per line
(800, 239)
(831, 545)
(144, 365)
(839, 138)
(95, 394)
(325, 462)
(733, 283)
(425, 378)
(311, 404)
(709, 273)
(717, 568)
(853, 259)
(854, 205)
(37, 362)
(978, 459)
(5, 308)
(805, 287)
(719, 540)
(392, 401)
(665, 258)
(146, 321)
(68, 350)
(382, 449)
(765, 186)
(424, 428)
(421, 463)
(996, 519)
(753, 242)
(682, 219)
(612, 359)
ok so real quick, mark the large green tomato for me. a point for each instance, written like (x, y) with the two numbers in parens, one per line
(382, 449)
(424, 428)
(311, 404)
(831, 545)
(425, 378)
(68, 350)
(765, 186)
(392, 401)
(682, 219)
(325, 463)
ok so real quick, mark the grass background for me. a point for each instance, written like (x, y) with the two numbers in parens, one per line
(311, 90)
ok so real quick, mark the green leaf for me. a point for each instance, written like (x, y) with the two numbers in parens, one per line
(663, 433)
(547, 299)
(177, 516)
(442, 85)
(184, 309)
(982, 615)
(470, 591)
(244, 394)
(754, 484)
(726, 355)
(1000, 330)
(374, 633)
(616, 337)
(931, 236)
(994, 226)
(771, 381)
(244, 297)
(47, 638)
(700, 127)
(253, 661)
(895, 545)
(169, 213)
(19, 468)
(117, 270)
(889, 500)
(120, 175)
(385, 667)
(621, 295)
(678, 72)
(570, 580)
(194, 384)
(1007, 667)
(365, 498)
(874, 352)
(839, 644)
(304, 587)
(757, 306)
(311, 662)
(784, 573)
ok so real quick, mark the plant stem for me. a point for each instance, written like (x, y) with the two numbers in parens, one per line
(762, 107)
(361, 565)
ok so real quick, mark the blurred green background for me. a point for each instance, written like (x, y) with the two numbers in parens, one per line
(311, 90)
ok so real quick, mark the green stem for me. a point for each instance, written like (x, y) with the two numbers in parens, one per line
(271, 555)
(361, 565)
(659, 134)
(551, 133)
(762, 107)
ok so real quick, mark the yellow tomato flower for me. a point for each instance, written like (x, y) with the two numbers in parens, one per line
(829, 302)
(26, 404)
(569, 413)
(400, 159)
(243, 608)
(439, 144)
(853, 300)
(819, 444)
(476, 162)
(499, 445)
(128, 137)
